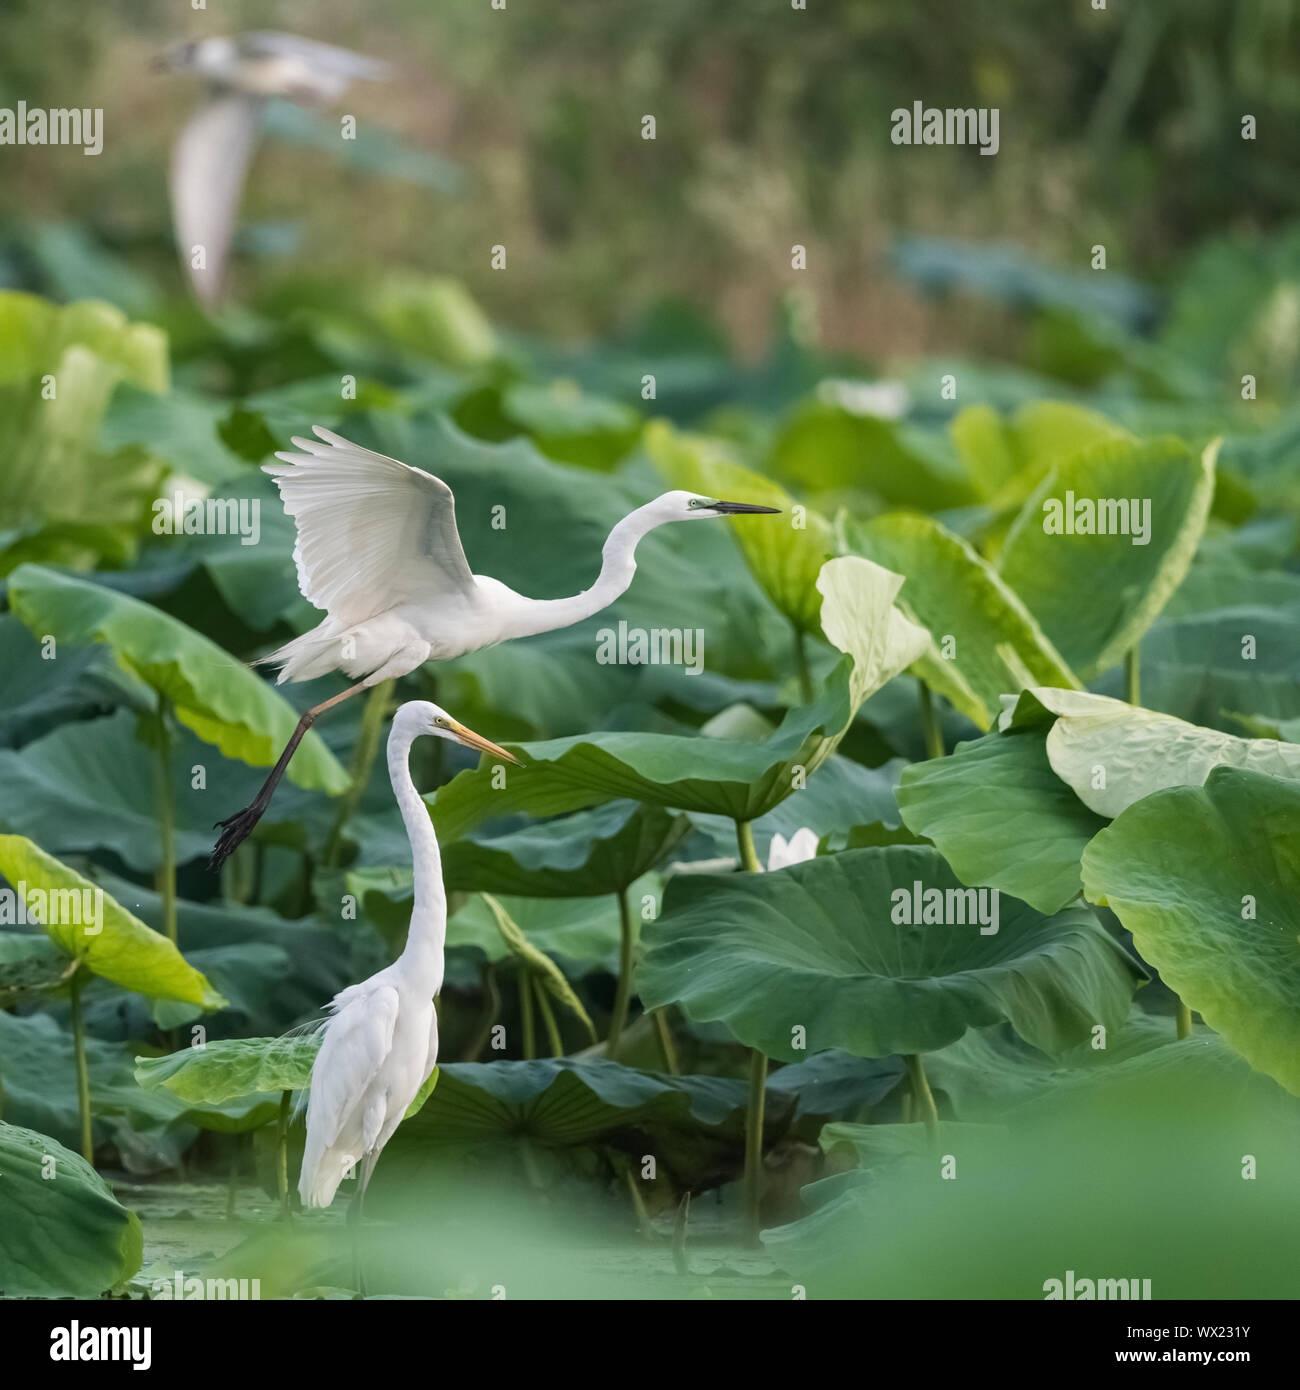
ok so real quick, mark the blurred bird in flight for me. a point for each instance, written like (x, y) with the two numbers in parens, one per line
(378, 551)
(211, 155)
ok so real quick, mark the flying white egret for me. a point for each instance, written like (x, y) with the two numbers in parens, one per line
(211, 155)
(379, 552)
(381, 1043)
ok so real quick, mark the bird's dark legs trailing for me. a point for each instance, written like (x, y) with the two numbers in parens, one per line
(236, 829)
(355, 1213)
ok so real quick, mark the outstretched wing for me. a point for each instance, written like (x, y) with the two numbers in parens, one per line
(372, 532)
(209, 162)
(323, 57)
(358, 1040)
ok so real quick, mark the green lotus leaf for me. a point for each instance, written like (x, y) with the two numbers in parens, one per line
(39, 1080)
(1208, 881)
(37, 695)
(1229, 639)
(1001, 816)
(858, 616)
(562, 1101)
(89, 926)
(565, 424)
(30, 964)
(985, 641)
(593, 852)
(232, 1068)
(1112, 753)
(814, 948)
(829, 449)
(70, 497)
(738, 778)
(991, 1074)
(741, 779)
(62, 1232)
(1126, 580)
(213, 694)
(1007, 459)
(92, 784)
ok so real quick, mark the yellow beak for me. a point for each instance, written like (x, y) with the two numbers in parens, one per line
(484, 745)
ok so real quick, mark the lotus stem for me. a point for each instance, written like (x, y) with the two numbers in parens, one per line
(491, 1008)
(638, 1202)
(83, 1072)
(1132, 677)
(364, 753)
(548, 1019)
(666, 1045)
(232, 1178)
(526, 1014)
(922, 1097)
(757, 1079)
(1183, 1020)
(754, 1144)
(165, 879)
(623, 993)
(282, 1153)
(930, 726)
(748, 854)
(802, 667)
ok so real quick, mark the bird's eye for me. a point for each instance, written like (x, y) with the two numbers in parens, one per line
(441, 722)
(695, 502)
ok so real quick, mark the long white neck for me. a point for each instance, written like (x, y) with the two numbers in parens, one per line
(427, 936)
(618, 565)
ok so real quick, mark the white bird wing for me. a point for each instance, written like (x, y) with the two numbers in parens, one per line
(358, 1040)
(372, 532)
(322, 57)
(209, 162)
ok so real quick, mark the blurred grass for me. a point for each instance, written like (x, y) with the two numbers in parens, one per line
(1119, 126)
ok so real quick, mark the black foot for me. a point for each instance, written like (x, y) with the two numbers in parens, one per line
(234, 831)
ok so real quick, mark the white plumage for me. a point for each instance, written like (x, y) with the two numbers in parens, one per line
(381, 1043)
(210, 157)
(378, 551)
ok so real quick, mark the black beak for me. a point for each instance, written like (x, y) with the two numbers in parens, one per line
(743, 509)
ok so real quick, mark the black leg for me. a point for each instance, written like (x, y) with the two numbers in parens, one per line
(237, 828)
(354, 1230)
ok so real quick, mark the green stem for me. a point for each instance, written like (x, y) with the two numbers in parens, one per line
(364, 753)
(83, 1072)
(757, 1079)
(526, 1012)
(930, 726)
(282, 1153)
(754, 1144)
(922, 1097)
(748, 854)
(638, 1202)
(802, 667)
(548, 1019)
(165, 880)
(1183, 1020)
(1132, 678)
(232, 1178)
(491, 1008)
(623, 993)
(666, 1045)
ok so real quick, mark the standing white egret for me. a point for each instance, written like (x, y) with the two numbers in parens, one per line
(381, 1043)
(211, 155)
(379, 552)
